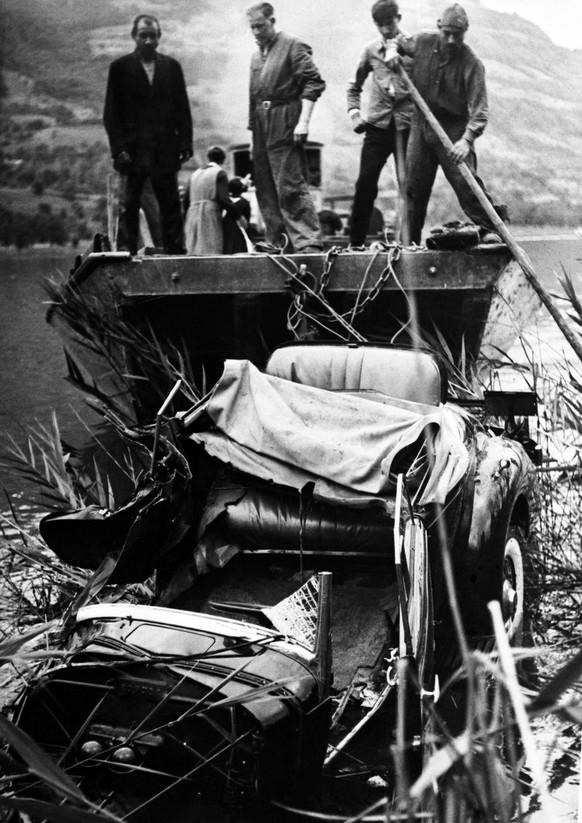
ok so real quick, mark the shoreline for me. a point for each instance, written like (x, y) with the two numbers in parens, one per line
(40, 250)
(519, 233)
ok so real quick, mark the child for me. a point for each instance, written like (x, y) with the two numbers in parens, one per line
(234, 239)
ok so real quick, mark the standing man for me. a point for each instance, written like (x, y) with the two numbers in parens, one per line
(284, 85)
(387, 122)
(451, 79)
(148, 122)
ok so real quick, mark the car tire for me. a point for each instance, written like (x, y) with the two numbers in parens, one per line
(513, 584)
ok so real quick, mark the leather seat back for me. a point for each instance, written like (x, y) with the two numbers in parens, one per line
(405, 374)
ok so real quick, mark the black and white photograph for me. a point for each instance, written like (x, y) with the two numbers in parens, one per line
(290, 411)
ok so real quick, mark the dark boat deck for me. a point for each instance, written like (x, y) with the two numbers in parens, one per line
(414, 270)
(452, 291)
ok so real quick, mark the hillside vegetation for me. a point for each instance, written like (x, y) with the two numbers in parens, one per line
(56, 54)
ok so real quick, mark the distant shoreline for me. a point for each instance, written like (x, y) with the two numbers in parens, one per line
(41, 251)
(518, 232)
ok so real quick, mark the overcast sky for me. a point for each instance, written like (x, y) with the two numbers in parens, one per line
(560, 19)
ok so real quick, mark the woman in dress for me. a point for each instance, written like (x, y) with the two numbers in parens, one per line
(207, 198)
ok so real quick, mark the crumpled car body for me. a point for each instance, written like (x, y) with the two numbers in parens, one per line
(215, 696)
(158, 709)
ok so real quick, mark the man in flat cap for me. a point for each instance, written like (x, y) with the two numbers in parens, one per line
(451, 79)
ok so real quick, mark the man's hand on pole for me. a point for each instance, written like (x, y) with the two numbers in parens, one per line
(358, 124)
(393, 61)
(461, 150)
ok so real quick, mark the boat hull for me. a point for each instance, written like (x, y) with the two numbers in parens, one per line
(243, 306)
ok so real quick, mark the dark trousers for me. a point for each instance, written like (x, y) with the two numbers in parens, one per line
(424, 155)
(378, 145)
(165, 188)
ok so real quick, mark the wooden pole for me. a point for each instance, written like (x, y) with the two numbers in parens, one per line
(322, 646)
(159, 415)
(111, 217)
(516, 250)
(400, 163)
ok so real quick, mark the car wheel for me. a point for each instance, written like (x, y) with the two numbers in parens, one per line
(513, 585)
(420, 690)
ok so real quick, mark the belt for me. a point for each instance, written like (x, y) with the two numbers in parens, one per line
(271, 104)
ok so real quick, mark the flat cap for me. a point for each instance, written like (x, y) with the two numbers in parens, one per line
(455, 17)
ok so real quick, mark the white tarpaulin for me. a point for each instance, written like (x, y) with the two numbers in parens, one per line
(339, 437)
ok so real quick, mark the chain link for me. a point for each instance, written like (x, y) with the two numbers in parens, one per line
(394, 254)
(297, 307)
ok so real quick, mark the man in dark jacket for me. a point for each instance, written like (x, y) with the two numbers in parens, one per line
(148, 122)
(284, 85)
(451, 78)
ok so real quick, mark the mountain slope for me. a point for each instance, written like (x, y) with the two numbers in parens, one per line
(532, 149)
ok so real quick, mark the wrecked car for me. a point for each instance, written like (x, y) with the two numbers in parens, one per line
(326, 497)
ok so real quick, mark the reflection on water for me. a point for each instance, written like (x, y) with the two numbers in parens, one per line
(559, 747)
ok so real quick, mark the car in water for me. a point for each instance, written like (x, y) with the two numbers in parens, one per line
(301, 520)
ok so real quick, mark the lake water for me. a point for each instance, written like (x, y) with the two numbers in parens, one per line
(32, 365)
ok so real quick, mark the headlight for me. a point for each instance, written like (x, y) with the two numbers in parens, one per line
(91, 748)
(124, 754)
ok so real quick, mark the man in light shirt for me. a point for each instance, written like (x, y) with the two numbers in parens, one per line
(387, 121)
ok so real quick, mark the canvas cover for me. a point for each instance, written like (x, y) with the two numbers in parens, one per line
(347, 444)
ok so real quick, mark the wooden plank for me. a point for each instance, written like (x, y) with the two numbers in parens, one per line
(263, 274)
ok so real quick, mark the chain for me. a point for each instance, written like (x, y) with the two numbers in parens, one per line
(297, 307)
(394, 254)
(330, 258)
(393, 257)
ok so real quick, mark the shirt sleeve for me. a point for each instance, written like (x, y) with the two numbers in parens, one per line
(183, 117)
(477, 103)
(251, 117)
(357, 84)
(306, 72)
(112, 118)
